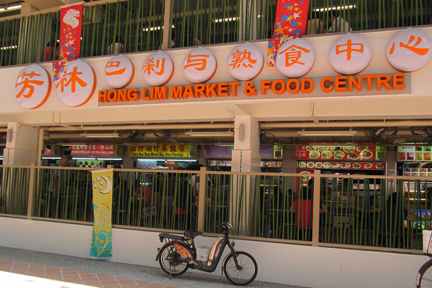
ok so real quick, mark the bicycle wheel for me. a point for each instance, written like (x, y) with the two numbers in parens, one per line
(169, 261)
(424, 275)
(246, 274)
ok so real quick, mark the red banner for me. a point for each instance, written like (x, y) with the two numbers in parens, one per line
(354, 153)
(70, 38)
(290, 23)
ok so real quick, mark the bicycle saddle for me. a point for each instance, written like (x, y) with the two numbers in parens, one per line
(192, 234)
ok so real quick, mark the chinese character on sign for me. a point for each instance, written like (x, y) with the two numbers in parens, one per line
(32, 86)
(157, 68)
(76, 87)
(196, 60)
(350, 54)
(173, 148)
(182, 148)
(164, 148)
(409, 50)
(350, 48)
(149, 66)
(293, 55)
(28, 84)
(245, 61)
(199, 65)
(118, 71)
(242, 58)
(114, 64)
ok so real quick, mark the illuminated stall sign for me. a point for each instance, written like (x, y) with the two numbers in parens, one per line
(342, 152)
(414, 153)
(340, 165)
(96, 150)
(164, 150)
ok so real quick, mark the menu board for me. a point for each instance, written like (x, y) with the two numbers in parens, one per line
(414, 153)
(410, 171)
(353, 153)
(340, 165)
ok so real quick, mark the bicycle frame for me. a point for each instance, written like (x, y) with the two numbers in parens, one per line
(189, 245)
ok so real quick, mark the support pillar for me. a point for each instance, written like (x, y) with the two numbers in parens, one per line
(21, 145)
(245, 158)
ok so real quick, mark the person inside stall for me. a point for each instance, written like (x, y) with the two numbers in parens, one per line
(178, 187)
(303, 206)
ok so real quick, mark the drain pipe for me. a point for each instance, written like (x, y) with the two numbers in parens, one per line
(40, 146)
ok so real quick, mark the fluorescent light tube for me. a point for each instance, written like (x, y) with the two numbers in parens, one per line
(100, 135)
(210, 133)
(327, 133)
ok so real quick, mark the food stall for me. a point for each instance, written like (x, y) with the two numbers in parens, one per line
(219, 157)
(95, 155)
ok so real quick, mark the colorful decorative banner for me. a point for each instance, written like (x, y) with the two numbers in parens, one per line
(354, 153)
(414, 153)
(70, 38)
(164, 150)
(290, 23)
(96, 150)
(101, 244)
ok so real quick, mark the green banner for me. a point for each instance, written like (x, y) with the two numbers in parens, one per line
(101, 244)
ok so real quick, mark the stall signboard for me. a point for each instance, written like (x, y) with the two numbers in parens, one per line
(343, 152)
(221, 152)
(96, 150)
(164, 150)
(414, 153)
(303, 165)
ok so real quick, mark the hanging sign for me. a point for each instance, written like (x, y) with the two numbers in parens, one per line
(101, 243)
(164, 150)
(96, 150)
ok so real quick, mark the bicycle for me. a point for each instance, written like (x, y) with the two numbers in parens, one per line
(424, 275)
(179, 253)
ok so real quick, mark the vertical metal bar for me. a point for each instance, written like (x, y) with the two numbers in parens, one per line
(31, 192)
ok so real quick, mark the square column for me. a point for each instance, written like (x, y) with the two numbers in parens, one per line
(21, 145)
(245, 158)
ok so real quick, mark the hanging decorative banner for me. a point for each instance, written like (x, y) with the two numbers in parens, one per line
(290, 23)
(101, 243)
(70, 38)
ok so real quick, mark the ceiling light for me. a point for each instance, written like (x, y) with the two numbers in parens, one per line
(83, 158)
(100, 135)
(210, 133)
(327, 133)
(51, 158)
(346, 7)
(109, 159)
